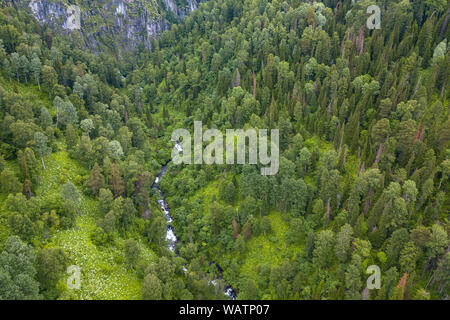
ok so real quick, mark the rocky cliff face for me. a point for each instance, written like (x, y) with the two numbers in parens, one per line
(117, 24)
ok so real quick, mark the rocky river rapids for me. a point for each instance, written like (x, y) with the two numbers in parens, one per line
(171, 237)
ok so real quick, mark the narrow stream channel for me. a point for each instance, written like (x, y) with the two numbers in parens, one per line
(171, 238)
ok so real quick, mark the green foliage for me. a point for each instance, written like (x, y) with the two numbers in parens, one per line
(131, 251)
(364, 152)
(51, 265)
(17, 271)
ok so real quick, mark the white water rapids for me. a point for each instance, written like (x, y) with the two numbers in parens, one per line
(170, 235)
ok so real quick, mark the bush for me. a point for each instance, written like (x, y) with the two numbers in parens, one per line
(99, 237)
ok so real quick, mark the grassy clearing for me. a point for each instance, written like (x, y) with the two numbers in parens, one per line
(26, 89)
(209, 192)
(270, 249)
(104, 273)
(60, 169)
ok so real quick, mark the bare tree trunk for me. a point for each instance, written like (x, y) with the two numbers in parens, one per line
(43, 163)
(444, 25)
(417, 86)
(342, 139)
(368, 201)
(379, 153)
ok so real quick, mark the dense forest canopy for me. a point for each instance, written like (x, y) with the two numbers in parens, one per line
(364, 155)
